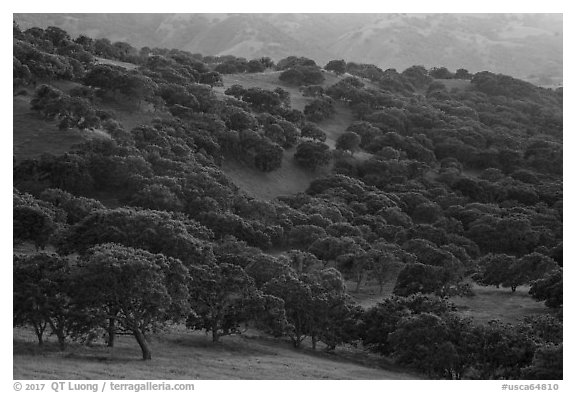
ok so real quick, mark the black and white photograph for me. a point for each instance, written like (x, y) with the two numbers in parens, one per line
(286, 196)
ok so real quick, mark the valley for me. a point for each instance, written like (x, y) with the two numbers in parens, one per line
(179, 215)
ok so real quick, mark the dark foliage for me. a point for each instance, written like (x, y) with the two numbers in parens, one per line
(452, 184)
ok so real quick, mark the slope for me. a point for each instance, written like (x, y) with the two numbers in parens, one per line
(33, 135)
(290, 178)
(182, 354)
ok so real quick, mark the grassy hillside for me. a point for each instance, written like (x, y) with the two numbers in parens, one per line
(499, 303)
(290, 178)
(128, 66)
(33, 135)
(458, 84)
(488, 303)
(287, 180)
(269, 81)
(182, 354)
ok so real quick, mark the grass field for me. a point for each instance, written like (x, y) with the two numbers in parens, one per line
(337, 124)
(128, 66)
(287, 180)
(488, 303)
(499, 303)
(183, 354)
(457, 84)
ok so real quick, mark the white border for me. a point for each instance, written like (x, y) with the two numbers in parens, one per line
(300, 6)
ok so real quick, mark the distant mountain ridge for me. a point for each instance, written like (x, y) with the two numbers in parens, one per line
(527, 46)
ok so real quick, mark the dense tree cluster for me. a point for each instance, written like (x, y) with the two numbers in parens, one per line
(294, 61)
(302, 75)
(235, 65)
(312, 155)
(450, 186)
(70, 111)
(319, 109)
(47, 54)
(428, 334)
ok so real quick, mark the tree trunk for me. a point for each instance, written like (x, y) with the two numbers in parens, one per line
(358, 282)
(146, 352)
(296, 340)
(313, 342)
(39, 330)
(61, 341)
(111, 331)
(59, 332)
(215, 335)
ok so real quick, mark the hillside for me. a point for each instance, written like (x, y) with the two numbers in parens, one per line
(181, 355)
(487, 303)
(289, 178)
(35, 136)
(220, 217)
(527, 46)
